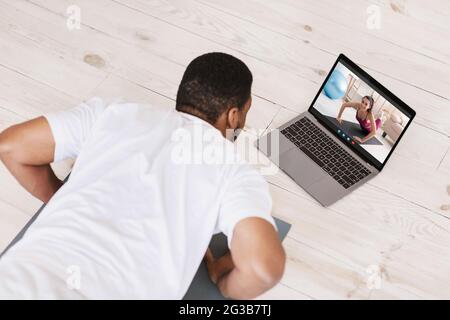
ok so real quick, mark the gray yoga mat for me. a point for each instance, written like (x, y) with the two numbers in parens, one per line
(354, 129)
(201, 287)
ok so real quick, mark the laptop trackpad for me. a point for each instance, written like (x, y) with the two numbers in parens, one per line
(300, 167)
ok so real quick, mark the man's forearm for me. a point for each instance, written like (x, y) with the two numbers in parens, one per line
(259, 260)
(232, 282)
(239, 285)
(40, 181)
(222, 266)
(27, 149)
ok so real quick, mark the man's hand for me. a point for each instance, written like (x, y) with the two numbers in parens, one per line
(211, 265)
(27, 149)
(256, 262)
(217, 268)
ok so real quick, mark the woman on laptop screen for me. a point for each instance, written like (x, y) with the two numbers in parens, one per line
(369, 125)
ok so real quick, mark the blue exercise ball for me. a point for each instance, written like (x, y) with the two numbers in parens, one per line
(336, 85)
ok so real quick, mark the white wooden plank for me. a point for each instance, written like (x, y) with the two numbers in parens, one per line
(300, 58)
(283, 292)
(138, 29)
(29, 98)
(360, 244)
(32, 61)
(323, 277)
(333, 27)
(268, 84)
(149, 71)
(11, 221)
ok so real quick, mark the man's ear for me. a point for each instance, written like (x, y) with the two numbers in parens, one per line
(233, 118)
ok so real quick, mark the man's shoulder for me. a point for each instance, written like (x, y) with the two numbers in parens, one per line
(126, 109)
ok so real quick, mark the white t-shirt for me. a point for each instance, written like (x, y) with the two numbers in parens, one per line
(137, 214)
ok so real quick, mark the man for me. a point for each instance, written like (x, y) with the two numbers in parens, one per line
(137, 214)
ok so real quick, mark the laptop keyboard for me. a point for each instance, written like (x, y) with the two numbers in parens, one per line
(324, 151)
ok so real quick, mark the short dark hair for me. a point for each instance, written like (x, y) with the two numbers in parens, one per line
(212, 83)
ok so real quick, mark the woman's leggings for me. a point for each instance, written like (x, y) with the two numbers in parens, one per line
(377, 125)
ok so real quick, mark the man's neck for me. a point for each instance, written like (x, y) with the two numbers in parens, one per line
(219, 124)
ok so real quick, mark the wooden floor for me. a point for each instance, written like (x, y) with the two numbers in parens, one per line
(398, 223)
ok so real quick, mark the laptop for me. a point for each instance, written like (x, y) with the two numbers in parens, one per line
(344, 139)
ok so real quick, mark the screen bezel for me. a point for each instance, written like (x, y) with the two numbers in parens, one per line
(388, 95)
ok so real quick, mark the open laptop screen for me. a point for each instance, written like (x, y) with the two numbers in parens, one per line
(361, 112)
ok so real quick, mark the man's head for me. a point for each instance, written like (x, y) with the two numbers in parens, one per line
(217, 88)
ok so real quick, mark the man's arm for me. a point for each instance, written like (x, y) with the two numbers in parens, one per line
(255, 265)
(27, 149)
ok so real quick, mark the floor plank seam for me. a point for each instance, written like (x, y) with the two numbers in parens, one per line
(38, 81)
(215, 42)
(165, 58)
(356, 268)
(443, 158)
(146, 88)
(433, 129)
(410, 201)
(112, 36)
(311, 200)
(92, 92)
(17, 208)
(335, 55)
(297, 290)
(12, 112)
(271, 120)
(247, 20)
(381, 189)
